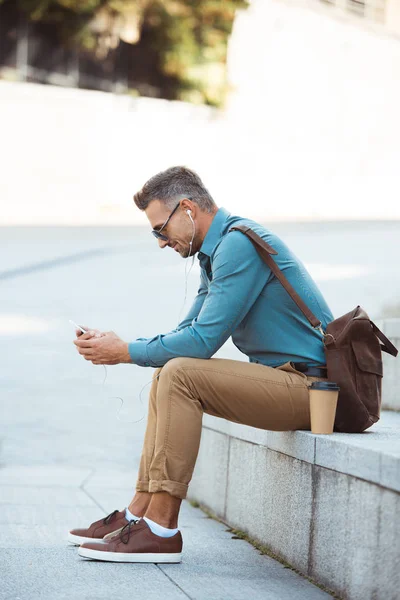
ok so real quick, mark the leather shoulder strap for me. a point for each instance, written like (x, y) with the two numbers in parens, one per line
(387, 345)
(265, 251)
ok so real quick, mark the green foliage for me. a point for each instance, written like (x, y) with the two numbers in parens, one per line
(182, 43)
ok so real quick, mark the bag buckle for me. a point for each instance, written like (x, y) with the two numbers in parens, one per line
(322, 332)
(319, 327)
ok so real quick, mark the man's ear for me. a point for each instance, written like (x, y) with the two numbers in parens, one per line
(188, 205)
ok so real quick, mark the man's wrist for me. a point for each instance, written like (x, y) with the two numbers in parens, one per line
(125, 356)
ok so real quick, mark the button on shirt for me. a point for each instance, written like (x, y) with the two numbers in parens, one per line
(240, 297)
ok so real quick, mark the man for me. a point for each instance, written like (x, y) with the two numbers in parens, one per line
(238, 296)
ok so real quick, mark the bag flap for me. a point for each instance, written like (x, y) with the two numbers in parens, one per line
(366, 361)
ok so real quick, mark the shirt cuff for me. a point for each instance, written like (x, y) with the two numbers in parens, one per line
(138, 353)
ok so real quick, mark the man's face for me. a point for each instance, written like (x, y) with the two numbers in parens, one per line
(179, 228)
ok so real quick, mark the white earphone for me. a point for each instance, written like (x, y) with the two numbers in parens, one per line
(189, 212)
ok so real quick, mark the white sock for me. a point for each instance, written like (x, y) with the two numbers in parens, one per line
(159, 529)
(129, 516)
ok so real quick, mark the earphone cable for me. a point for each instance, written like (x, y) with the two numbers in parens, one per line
(179, 320)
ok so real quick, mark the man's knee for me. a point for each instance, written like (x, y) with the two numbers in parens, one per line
(181, 363)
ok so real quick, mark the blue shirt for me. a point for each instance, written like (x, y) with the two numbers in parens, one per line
(239, 296)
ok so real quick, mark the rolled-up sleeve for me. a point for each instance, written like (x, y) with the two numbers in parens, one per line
(238, 277)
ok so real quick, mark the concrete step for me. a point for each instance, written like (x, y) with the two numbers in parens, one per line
(327, 504)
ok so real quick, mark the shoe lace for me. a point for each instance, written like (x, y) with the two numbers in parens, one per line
(108, 518)
(125, 532)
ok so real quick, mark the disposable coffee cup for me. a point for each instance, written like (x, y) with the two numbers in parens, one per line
(323, 403)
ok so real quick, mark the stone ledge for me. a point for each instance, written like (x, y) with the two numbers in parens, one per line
(373, 455)
(328, 505)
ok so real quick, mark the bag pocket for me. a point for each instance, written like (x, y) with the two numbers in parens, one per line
(365, 360)
(368, 380)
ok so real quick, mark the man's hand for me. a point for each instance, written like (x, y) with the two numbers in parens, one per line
(90, 333)
(107, 349)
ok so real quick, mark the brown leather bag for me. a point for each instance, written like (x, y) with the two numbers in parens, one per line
(352, 350)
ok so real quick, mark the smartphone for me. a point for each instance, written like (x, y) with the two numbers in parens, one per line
(77, 326)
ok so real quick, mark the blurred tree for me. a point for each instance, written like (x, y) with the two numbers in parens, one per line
(178, 48)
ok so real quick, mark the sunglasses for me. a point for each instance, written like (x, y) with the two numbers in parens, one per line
(157, 232)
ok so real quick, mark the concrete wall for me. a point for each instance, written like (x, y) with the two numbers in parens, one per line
(311, 130)
(318, 99)
(393, 16)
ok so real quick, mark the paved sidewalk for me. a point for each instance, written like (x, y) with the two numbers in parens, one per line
(65, 457)
(38, 504)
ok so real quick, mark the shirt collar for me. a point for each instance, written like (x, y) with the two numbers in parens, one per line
(214, 232)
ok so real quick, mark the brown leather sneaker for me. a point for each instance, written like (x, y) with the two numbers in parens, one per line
(136, 543)
(109, 525)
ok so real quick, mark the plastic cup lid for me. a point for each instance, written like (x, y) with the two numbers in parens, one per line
(330, 386)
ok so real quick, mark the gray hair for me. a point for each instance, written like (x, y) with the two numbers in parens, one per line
(176, 182)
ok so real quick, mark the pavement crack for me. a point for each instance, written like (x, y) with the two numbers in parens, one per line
(87, 478)
(174, 582)
(93, 499)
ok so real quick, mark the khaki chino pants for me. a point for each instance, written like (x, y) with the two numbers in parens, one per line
(242, 392)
